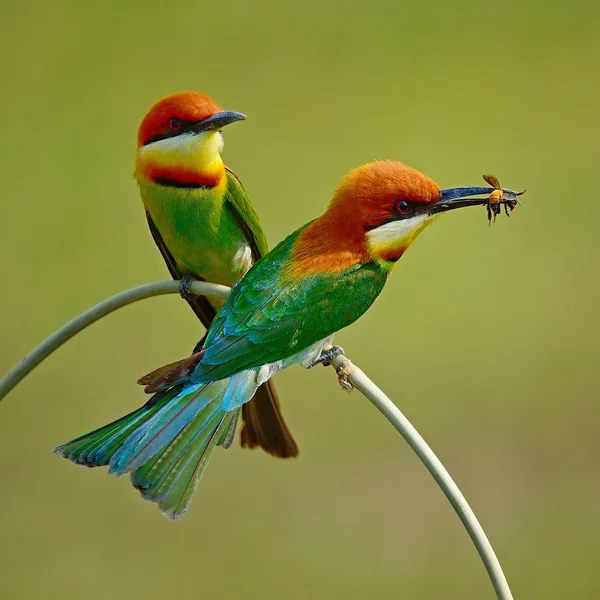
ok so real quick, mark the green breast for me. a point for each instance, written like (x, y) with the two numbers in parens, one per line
(198, 228)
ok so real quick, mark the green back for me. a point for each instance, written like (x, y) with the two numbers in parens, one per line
(272, 315)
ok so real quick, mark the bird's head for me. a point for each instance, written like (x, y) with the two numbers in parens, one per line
(180, 141)
(385, 204)
(376, 213)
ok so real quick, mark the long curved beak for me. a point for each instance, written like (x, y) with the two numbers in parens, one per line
(452, 198)
(217, 121)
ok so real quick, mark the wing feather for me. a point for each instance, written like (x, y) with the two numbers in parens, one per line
(270, 316)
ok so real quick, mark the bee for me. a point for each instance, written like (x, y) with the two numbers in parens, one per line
(498, 198)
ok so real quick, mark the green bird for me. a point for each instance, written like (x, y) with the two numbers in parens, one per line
(284, 311)
(204, 225)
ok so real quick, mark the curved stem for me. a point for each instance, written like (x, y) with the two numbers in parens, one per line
(65, 333)
(393, 414)
(355, 376)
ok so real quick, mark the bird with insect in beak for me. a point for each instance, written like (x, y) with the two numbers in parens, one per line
(204, 226)
(284, 311)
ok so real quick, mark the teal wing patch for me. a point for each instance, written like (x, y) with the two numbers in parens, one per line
(237, 201)
(269, 317)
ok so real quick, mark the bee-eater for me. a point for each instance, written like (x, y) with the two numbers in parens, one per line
(204, 225)
(284, 311)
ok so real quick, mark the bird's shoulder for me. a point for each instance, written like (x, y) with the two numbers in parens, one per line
(271, 316)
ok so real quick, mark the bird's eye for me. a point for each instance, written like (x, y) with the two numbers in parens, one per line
(174, 124)
(401, 206)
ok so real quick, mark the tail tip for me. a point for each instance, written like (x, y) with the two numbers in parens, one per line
(76, 459)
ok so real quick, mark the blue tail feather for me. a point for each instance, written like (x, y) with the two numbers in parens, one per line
(167, 443)
(150, 476)
(240, 387)
(96, 448)
(159, 430)
(172, 480)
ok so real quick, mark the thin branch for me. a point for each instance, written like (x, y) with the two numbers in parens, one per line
(354, 375)
(72, 328)
(393, 414)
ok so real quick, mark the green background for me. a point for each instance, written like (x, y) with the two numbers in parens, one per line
(487, 337)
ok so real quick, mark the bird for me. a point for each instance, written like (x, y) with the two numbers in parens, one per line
(284, 311)
(204, 226)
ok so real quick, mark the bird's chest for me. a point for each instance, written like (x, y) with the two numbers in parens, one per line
(200, 232)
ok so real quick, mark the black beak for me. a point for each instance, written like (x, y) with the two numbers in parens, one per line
(452, 198)
(217, 121)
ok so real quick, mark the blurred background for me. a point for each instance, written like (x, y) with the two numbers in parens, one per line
(486, 337)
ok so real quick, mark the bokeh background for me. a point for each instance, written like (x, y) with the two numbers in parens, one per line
(487, 337)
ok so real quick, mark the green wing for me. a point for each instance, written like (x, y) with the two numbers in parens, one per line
(270, 317)
(237, 201)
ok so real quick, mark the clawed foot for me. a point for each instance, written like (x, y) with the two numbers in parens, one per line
(343, 372)
(326, 357)
(185, 287)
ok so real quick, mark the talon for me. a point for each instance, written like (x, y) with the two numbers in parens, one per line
(343, 373)
(326, 357)
(185, 287)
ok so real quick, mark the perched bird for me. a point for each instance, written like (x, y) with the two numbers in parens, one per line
(204, 225)
(284, 311)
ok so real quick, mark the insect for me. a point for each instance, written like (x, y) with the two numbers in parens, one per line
(498, 198)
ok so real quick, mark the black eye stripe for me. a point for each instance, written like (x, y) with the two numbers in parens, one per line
(183, 128)
(414, 209)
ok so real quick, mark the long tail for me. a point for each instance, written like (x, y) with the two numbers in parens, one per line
(264, 425)
(166, 444)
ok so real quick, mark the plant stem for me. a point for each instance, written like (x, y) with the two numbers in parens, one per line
(72, 328)
(355, 376)
(393, 414)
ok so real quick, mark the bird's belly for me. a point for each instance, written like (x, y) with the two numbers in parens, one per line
(303, 358)
(209, 263)
(203, 237)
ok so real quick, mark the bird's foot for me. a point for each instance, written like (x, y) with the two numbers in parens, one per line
(326, 357)
(185, 287)
(343, 372)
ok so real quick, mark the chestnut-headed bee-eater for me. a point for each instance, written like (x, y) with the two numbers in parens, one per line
(284, 311)
(204, 225)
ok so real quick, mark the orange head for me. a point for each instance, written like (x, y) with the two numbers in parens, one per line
(376, 213)
(180, 142)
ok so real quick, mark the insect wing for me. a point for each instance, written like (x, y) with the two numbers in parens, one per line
(491, 179)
